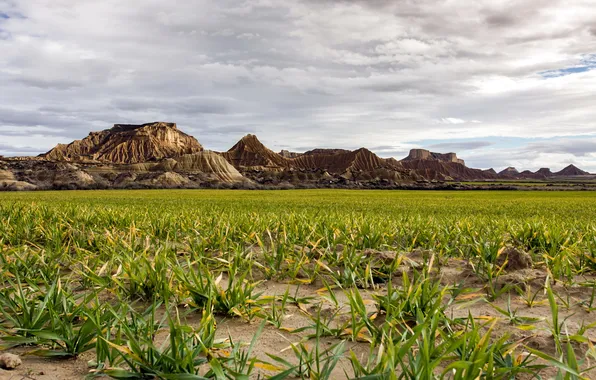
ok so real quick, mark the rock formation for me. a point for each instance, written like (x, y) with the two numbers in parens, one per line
(287, 154)
(571, 170)
(261, 164)
(433, 166)
(125, 144)
(510, 172)
(154, 155)
(545, 172)
(158, 155)
(342, 161)
(423, 154)
(250, 153)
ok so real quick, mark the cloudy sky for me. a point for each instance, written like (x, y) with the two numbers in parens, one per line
(502, 83)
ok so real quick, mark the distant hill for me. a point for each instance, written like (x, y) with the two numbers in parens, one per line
(571, 170)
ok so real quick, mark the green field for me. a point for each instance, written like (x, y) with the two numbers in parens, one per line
(393, 284)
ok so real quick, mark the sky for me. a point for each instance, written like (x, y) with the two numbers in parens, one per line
(502, 83)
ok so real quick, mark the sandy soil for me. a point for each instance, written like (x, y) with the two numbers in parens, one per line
(276, 341)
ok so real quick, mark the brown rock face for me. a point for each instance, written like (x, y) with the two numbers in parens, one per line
(249, 152)
(571, 170)
(287, 154)
(341, 161)
(206, 162)
(125, 144)
(431, 166)
(510, 171)
(545, 172)
(423, 154)
(251, 157)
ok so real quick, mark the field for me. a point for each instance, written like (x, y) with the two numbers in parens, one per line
(313, 284)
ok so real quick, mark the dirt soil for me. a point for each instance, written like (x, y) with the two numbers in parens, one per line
(277, 341)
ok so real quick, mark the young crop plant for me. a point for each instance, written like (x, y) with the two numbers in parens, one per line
(145, 277)
(512, 316)
(316, 363)
(24, 309)
(422, 295)
(74, 325)
(275, 314)
(530, 297)
(182, 355)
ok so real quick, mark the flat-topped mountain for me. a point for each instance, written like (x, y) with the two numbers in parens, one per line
(423, 154)
(128, 143)
(441, 166)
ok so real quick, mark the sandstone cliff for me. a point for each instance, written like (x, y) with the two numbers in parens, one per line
(423, 154)
(126, 143)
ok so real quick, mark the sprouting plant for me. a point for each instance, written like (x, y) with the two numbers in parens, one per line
(512, 316)
(275, 313)
(529, 297)
(24, 309)
(313, 363)
(181, 355)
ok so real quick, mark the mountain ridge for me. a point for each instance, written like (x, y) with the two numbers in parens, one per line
(158, 154)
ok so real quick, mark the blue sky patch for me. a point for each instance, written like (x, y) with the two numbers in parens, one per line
(587, 63)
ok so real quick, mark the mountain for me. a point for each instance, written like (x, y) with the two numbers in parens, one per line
(571, 170)
(250, 153)
(317, 166)
(509, 172)
(423, 154)
(545, 172)
(441, 166)
(528, 174)
(340, 161)
(127, 143)
(158, 155)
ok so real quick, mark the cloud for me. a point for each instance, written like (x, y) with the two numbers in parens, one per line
(576, 147)
(451, 120)
(303, 73)
(461, 145)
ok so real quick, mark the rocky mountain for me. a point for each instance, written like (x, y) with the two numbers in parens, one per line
(250, 153)
(571, 170)
(153, 155)
(425, 155)
(158, 155)
(544, 172)
(127, 143)
(262, 165)
(203, 169)
(509, 172)
(442, 167)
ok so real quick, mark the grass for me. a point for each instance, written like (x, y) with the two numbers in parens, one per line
(141, 278)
